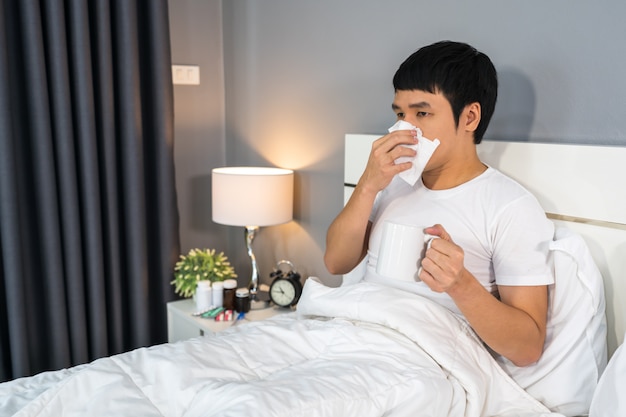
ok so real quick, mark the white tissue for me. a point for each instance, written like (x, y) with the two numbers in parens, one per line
(424, 148)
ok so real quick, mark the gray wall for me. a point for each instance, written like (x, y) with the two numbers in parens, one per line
(199, 144)
(299, 74)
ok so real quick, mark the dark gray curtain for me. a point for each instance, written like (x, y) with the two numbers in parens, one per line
(88, 217)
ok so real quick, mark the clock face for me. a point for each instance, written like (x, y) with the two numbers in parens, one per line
(283, 292)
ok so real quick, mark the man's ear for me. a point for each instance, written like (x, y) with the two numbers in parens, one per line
(471, 117)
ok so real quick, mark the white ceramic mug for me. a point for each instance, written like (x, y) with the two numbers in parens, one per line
(402, 248)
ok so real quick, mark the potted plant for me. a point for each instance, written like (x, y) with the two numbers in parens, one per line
(199, 265)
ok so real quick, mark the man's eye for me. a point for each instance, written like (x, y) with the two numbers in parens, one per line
(400, 115)
(422, 113)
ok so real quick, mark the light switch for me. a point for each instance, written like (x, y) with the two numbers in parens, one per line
(186, 74)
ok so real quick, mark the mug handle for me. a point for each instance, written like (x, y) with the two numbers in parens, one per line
(428, 239)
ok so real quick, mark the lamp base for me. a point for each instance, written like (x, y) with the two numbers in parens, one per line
(260, 301)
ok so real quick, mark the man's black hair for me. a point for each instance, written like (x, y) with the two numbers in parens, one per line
(458, 71)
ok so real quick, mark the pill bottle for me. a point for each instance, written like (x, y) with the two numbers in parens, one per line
(203, 296)
(230, 286)
(242, 300)
(218, 294)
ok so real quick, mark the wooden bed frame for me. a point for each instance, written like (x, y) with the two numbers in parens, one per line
(581, 187)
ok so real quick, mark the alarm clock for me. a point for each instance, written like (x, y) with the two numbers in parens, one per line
(285, 289)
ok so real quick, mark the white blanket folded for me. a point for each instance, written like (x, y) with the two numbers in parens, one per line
(363, 350)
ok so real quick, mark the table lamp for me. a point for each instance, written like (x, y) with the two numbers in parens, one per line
(252, 197)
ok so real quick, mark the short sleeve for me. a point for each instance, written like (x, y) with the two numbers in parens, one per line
(522, 234)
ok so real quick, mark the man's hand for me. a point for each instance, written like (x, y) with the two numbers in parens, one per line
(442, 266)
(381, 166)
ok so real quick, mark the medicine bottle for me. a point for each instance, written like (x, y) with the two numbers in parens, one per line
(218, 294)
(230, 286)
(203, 296)
(242, 300)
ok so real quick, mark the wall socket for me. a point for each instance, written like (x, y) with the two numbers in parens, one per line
(186, 74)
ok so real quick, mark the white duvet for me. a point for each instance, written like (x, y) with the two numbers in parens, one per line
(362, 350)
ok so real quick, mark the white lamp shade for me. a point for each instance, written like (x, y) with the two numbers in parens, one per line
(252, 196)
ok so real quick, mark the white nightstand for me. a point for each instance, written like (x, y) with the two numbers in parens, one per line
(182, 325)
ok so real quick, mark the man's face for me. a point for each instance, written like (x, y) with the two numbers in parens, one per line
(432, 113)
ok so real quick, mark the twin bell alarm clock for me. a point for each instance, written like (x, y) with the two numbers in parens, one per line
(286, 288)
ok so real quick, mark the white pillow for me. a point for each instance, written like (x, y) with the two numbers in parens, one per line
(609, 399)
(574, 356)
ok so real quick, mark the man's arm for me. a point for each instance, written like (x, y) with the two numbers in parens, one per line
(348, 234)
(514, 326)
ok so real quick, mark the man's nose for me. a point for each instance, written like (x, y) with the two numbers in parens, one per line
(413, 120)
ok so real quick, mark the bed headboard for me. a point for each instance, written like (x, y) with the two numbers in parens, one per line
(581, 187)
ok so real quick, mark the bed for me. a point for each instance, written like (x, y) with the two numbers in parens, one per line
(362, 349)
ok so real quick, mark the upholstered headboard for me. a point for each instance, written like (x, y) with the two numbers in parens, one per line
(581, 187)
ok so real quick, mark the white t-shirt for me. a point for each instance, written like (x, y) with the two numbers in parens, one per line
(501, 227)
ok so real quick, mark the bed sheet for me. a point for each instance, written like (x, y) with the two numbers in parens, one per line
(363, 350)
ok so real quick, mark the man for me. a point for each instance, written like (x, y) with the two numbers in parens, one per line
(490, 264)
